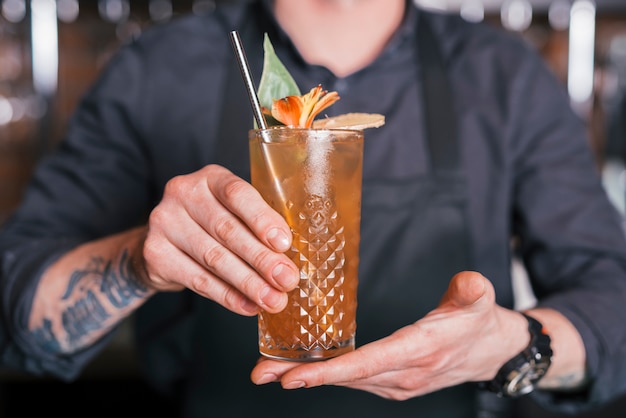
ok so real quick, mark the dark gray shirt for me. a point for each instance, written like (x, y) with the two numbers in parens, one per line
(155, 111)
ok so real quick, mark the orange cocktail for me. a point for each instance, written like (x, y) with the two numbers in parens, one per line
(313, 178)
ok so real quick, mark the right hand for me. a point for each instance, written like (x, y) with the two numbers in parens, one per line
(214, 234)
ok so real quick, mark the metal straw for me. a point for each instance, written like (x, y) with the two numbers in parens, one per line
(247, 78)
(260, 118)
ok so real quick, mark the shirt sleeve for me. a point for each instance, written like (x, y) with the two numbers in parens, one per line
(150, 115)
(94, 184)
(572, 238)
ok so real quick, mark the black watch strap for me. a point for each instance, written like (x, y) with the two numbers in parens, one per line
(520, 375)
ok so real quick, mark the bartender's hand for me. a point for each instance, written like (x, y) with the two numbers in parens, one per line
(213, 233)
(466, 338)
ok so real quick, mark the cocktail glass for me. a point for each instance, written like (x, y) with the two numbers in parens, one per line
(313, 178)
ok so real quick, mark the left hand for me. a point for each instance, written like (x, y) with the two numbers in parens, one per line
(468, 337)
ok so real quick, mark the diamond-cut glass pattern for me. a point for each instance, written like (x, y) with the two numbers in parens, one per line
(318, 306)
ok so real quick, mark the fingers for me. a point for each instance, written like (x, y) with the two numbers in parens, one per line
(242, 222)
(414, 382)
(172, 269)
(245, 202)
(267, 370)
(415, 360)
(357, 366)
(306, 374)
(220, 223)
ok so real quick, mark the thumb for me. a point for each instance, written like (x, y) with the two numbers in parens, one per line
(469, 288)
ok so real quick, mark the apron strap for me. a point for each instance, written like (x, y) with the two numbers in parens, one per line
(442, 133)
(440, 114)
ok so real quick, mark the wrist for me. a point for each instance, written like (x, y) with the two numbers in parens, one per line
(513, 338)
(137, 263)
(568, 370)
(521, 373)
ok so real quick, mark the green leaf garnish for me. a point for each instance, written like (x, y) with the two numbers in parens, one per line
(276, 82)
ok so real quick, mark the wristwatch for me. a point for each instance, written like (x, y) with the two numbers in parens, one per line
(520, 375)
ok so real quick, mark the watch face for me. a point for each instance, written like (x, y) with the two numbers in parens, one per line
(522, 381)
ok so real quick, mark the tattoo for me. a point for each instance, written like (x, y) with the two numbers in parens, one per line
(119, 286)
(568, 382)
(121, 289)
(45, 337)
(88, 313)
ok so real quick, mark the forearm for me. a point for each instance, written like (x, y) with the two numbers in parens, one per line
(567, 371)
(87, 292)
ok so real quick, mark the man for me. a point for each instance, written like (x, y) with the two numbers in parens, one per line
(479, 147)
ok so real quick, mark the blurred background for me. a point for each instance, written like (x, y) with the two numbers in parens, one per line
(51, 50)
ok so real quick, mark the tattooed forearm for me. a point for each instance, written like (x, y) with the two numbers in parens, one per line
(118, 285)
(93, 299)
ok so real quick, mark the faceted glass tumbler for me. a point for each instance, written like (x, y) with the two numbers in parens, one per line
(313, 178)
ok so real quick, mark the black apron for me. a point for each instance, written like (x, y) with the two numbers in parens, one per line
(414, 238)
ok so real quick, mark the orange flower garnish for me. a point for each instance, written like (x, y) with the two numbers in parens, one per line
(299, 111)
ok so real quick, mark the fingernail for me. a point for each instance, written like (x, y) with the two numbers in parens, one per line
(267, 378)
(285, 276)
(271, 298)
(249, 306)
(279, 240)
(294, 385)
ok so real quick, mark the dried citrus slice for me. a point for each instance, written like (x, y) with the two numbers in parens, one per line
(350, 121)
